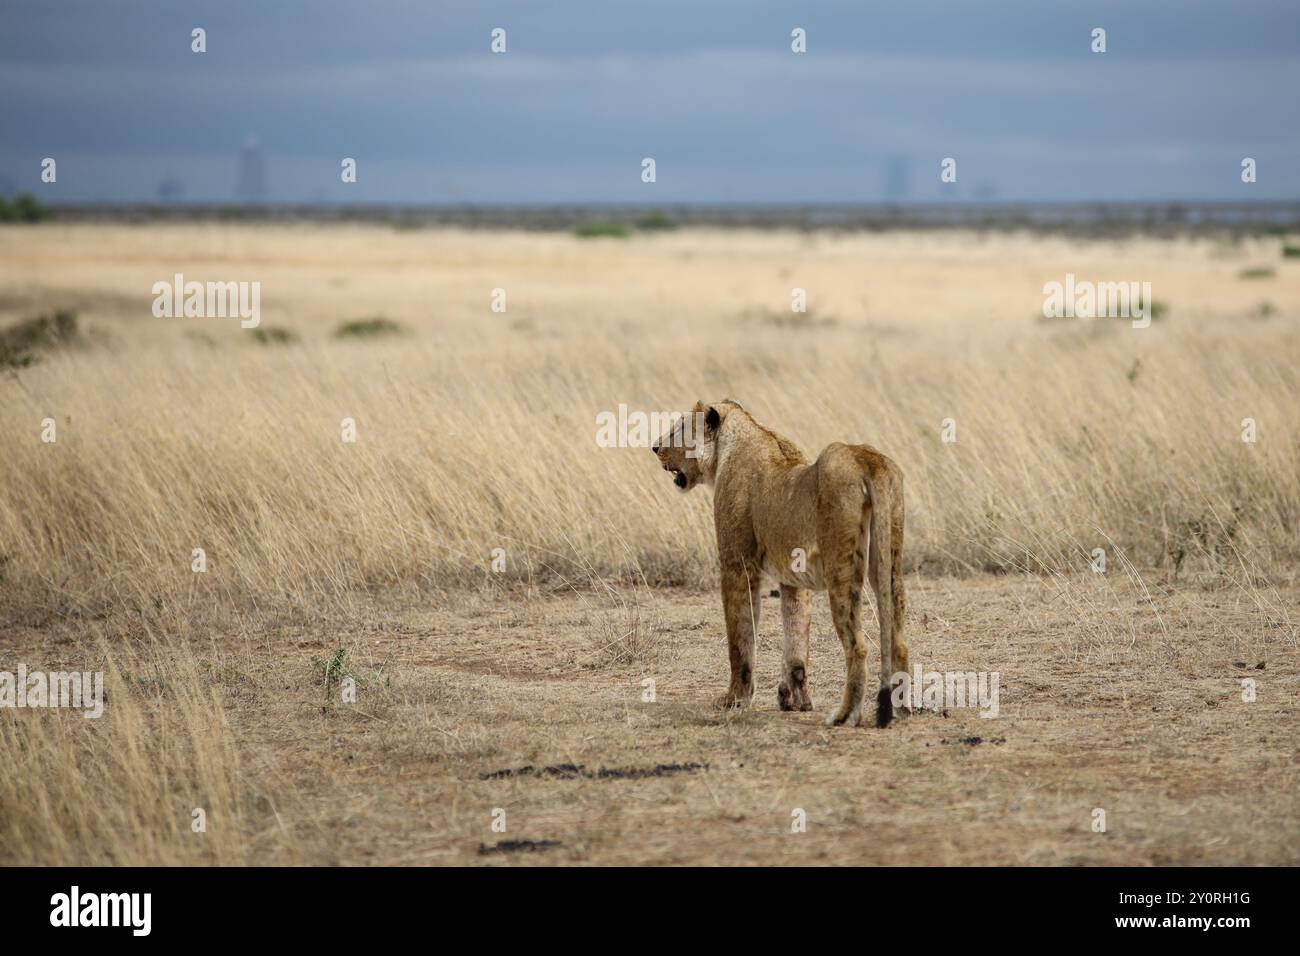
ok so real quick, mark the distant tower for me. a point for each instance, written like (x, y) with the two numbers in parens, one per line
(898, 179)
(252, 173)
(170, 189)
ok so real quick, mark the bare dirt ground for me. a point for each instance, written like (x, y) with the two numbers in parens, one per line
(533, 704)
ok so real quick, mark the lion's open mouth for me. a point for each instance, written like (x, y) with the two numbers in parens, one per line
(679, 478)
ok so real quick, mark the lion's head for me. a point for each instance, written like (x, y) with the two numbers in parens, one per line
(687, 449)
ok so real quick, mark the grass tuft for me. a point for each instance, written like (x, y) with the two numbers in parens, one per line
(372, 328)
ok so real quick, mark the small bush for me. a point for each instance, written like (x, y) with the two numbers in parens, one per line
(15, 358)
(20, 342)
(273, 335)
(655, 221)
(24, 208)
(1159, 310)
(1258, 272)
(332, 670)
(1290, 252)
(376, 327)
(601, 230)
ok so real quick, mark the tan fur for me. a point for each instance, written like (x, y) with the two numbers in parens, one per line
(845, 511)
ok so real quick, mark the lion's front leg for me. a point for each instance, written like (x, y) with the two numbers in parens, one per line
(740, 606)
(796, 618)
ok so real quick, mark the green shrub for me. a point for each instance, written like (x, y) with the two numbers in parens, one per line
(376, 327)
(20, 343)
(272, 335)
(1258, 272)
(24, 208)
(655, 221)
(601, 230)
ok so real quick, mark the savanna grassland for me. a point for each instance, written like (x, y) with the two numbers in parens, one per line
(525, 690)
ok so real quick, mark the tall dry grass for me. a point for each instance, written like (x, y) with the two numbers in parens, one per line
(478, 431)
(1059, 450)
(122, 789)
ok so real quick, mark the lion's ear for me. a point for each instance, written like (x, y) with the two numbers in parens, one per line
(712, 419)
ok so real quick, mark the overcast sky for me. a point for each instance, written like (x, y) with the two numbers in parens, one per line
(709, 88)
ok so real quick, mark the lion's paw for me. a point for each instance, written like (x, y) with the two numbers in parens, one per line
(731, 701)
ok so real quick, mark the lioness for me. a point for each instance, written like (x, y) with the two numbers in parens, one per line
(810, 526)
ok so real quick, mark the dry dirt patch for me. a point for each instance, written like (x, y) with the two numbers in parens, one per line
(494, 703)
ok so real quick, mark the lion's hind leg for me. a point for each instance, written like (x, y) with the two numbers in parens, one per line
(845, 592)
(796, 617)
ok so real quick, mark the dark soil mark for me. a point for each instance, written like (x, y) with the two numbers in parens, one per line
(565, 771)
(975, 741)
(518, 846)
(640, 773)
(572, 771)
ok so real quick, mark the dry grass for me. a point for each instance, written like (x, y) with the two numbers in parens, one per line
(476, 431)
(473, 434)
(122, 789)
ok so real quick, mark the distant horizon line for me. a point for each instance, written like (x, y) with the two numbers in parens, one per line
(620, 220)
(629, 205)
